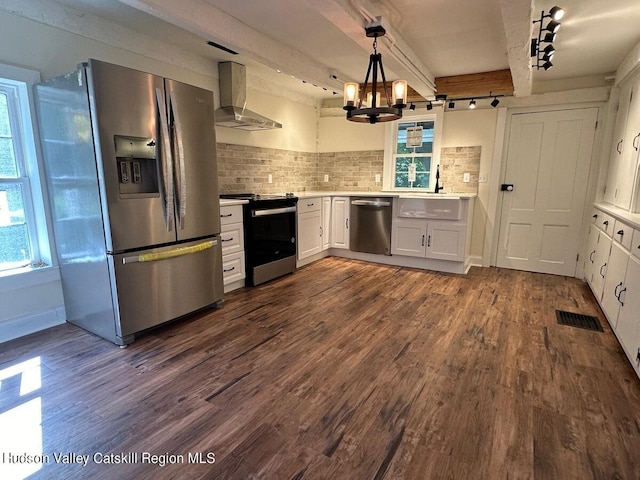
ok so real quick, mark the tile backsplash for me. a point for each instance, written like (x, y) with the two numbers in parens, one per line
(247, 169)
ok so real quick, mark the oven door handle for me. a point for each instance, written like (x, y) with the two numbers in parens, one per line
(272, 211)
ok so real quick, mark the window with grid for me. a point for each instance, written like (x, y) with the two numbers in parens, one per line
(18, 245)
(412, 159)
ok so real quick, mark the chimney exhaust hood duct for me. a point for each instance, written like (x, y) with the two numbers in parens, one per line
(233, 100)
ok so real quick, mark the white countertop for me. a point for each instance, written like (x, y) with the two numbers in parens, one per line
(384, 194)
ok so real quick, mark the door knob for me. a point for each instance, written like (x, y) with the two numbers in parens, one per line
(506, 187)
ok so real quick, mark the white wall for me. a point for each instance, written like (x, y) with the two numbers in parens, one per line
(336, 134)
(471, 128)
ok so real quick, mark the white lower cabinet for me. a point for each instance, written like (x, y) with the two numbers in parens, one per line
(326, 223)
(600, 267)
(444, 240)
(310, 220)
(614, 278)
(232, 241)
(628, 325)
(340, 222)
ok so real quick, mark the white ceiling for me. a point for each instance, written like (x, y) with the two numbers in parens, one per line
(314, 39)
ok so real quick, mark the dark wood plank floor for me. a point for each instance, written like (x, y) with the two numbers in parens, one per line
(347, 370)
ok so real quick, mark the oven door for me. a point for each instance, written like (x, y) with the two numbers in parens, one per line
(271, 234)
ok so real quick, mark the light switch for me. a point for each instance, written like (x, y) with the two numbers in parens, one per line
(377, 178)
(466, 178)
(326, 177)
(270, 178)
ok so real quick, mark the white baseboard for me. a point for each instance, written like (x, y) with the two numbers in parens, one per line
(31, 323)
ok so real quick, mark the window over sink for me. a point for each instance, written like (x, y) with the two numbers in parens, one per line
(412, 153)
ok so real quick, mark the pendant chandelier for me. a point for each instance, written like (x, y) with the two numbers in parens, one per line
(371, 110)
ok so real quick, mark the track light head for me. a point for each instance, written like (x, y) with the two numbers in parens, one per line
(549, 37)
(472, 104)
(547, 65)
(452, 104)
(553, 26)
(495, 102)
(412, 107)
(429, 105)
(556, 13)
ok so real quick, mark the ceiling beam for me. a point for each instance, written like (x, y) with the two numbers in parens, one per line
(517, 17)
(498, 82)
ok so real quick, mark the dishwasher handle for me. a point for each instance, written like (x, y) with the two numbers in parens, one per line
(371, 203)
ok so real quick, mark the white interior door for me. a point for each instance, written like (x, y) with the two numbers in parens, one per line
(548, 158)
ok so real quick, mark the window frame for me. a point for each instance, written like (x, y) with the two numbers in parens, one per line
(391, 138)
(17, 83)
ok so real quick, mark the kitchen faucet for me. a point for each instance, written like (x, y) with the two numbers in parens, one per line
(438, 187)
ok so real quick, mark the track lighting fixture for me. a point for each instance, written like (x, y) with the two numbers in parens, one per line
(472, 104)
(372, 110)
(412, 106)
(544, 56)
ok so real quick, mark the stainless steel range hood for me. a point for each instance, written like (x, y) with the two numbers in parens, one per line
(233, 100)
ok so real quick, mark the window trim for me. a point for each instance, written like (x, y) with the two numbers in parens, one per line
(21, 80)
(391, 132)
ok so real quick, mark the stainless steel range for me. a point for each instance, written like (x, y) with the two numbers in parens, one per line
(269, 235)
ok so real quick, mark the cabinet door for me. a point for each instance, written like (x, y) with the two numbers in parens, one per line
(628, 328)
(600, 264)
(629, 158)
(326, 223)
(589, 261)
(409, 237)
(445, 241)
(614, 282)
(618, 145)
(309, 234)
(340, 222)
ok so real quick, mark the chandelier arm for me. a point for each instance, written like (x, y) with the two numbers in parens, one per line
(366, 80)
(374, 80)
(384, 82)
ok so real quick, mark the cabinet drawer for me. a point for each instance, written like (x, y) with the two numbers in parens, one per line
(309, 204)
(623, 234)
(232, 238)
(230, 214)
(605, 222)
(635, 243)
(233, 267)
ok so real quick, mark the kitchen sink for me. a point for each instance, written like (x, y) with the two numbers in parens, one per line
(437, 206)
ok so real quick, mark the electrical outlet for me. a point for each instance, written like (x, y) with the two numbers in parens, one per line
(377, 178)
(270, 178)
(483, 178)
(326, 177)
(466, 177)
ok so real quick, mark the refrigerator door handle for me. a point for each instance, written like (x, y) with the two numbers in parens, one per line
(175, 252)
(166, 159)
(181, 186)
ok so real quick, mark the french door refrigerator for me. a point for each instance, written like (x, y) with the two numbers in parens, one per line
(130, 160)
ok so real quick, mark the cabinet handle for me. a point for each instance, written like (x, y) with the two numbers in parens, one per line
(621, 232)
(429, 241)
(618, 146)
(634, 141)
(591, 255)
(606, 223)
(595, 216)
(618, 294)
(226, 215)
(423, 240)
(226, 239)
(602, 274)
(320, 231)
(638, 357)
(310, 204)
(228, 269)
(615, 290)
(347, 225)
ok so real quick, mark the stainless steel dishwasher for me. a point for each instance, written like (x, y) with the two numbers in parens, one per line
(370, 219)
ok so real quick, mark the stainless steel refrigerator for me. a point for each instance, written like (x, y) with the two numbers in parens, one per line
(130, 160)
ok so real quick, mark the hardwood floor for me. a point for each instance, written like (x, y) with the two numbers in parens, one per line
(343, 370)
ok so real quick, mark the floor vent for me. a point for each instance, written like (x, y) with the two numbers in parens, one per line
(578, 320)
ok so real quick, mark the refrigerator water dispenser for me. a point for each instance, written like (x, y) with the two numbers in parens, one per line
(137, 166)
